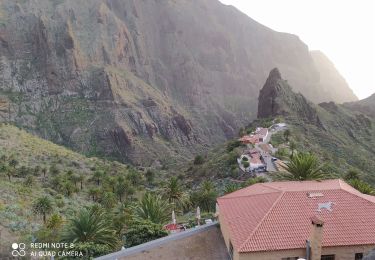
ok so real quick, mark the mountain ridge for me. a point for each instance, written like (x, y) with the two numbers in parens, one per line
(140, 82)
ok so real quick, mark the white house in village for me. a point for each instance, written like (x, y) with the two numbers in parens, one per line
(262, 133)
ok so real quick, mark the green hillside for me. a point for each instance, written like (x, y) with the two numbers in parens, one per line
(31, 168)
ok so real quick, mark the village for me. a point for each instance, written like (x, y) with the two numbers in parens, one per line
(258, 157)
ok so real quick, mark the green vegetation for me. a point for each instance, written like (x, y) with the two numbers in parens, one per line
(142, 231)
(199, 159)
(43, 206)
(153, 208)
(303, 166)
(91, 225)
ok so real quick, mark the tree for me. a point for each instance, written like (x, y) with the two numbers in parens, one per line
(205, 197)
(98, 175)
(53, 170)
(199, 159)
(94, 193)
(150, 176)
(303, 166)
(122, 188)
(44, 171)
(67, 188)
(287, 135)
(292, 147)
(142, 231)
(91, 225)
(6, 170)
(81, 179)
(245, 164)
(134, 177)
(111, 182)
(174, 193)
(153, 208)
(29, 181)
(43, 206)
(13, 163)
(108, 200)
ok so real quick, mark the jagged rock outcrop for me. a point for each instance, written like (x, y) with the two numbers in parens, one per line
(139, 80)
(277, 98)
(343, 134)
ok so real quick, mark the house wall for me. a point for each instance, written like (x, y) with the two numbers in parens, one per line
(341, 253)
(224, 231)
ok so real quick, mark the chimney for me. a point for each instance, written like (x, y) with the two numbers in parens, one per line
(316, 236)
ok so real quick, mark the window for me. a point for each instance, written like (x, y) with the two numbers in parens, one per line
(230, 250)
(328, 257)
(358, 256)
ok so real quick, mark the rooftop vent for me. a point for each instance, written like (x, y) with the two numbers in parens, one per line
(314, 194)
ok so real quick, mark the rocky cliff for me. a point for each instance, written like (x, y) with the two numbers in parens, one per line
(139, 80)
(277, 98)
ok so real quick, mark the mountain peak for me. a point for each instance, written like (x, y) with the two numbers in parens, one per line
(275, 74)
(277, 98)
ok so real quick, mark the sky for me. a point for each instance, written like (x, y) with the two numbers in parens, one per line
(344, 30)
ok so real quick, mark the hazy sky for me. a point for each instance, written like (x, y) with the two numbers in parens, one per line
(343, 29)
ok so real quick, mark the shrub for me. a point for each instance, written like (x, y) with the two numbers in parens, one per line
(198, 160)
(245, 159)
(245, 164)
(233, 144)
(142, 231)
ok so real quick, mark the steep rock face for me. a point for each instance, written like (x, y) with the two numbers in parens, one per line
(277, 98)
(335, 84)
(139, 80)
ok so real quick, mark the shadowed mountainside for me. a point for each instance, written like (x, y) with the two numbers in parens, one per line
(142, 80)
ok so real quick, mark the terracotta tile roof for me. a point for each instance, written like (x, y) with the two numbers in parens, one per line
(276, 216)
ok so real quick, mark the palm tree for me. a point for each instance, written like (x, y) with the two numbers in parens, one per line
(94, 193)
(153, 208)
(98, 176)
(43, 206)
(174, 193)
(208, 196)
(91, 225)
(111, 182)
(303, 166)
